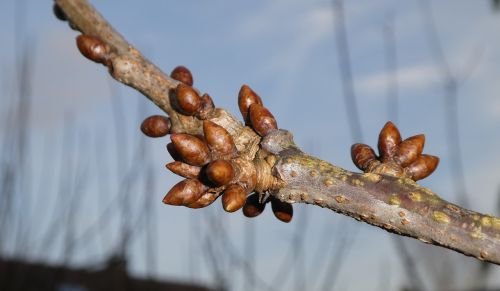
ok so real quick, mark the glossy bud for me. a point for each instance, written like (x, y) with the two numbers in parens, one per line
(246, 98)
(156, 126)
(182, 74)
(253, 207)
(173, 152)
(423, 167)
(220, 172)
(59, 13)
(185, 192)
(282, 210)
(388, 141)
(362, 155)
(184, 170)
(205, 200)
(191, 149)
(93, 48)
(207, 104)
(262, 120)
(218, 139)
(409, 150)
(233, 198)
(188, 99)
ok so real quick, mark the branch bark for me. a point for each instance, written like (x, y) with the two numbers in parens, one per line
(397, 205)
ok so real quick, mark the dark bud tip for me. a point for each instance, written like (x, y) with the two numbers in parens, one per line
(263, 122)
(191, 149)
(388, 140)
(188, 99)
(207, 105)
(253, 207)
(246, 98)
(233, 198)
(184, 170)
(156, 126)
(362, 155)
(218, 139)
(182, 74)
(409, 150)
(93, 48)
(220, 172)
(282, 210)
(423, 166)
(59, 13)
(185, 192)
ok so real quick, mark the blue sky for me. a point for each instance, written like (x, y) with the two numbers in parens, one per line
(286, 51)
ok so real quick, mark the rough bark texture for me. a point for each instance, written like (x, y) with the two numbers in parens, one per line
(398, 205)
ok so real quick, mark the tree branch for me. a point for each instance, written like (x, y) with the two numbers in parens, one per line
(398, 205)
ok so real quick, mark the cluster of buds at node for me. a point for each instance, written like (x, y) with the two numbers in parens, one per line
(396, 157)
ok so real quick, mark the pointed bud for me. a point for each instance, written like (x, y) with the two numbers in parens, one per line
(234, 198)
(188, 99)
(184, 170)
(218, 139)
(423, 167)
(156, 126)
(207, 105)
(388, 140)
(409, 150)
(93, 48)
(182, 74)
(253, 207)
(219, 172)
(185, 192)
(205, 200)
(59, 13)
(262, 120)
(247, 97)
(362, 155)
(191, 149)
(282, 210)
(173, 152)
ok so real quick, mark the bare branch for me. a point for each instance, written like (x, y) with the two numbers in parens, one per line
(279, 168)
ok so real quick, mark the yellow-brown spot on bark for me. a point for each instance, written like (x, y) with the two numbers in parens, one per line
(453, 208)
(402, 214)
(405, 221)
(341, 199)
(357, 182)
(328, 182)
(495, 222)
(374, 178)
(476, 233)
(476, 217)
(440, 217)
(387, 226)
(415, 196)
(394, 200)
(483, 255)
(486, 221)
(313, 173)
(293, 174)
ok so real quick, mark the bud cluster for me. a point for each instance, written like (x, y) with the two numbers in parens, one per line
(398, 158)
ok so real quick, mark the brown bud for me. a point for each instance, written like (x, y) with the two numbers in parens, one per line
(185, 192)
(220, 172)
(362, 155)
(233, 198)
(191, 149)
(388, 140)
(59, 13)
(253, 207)
(409, 150)
(219, 140)
(423, 167)
(188, 99)
(184, 170)
(207, 104)
(282, 210)
(93, 48)
(262, 120)
(156, 126)
(247, 97)
(173, 152)
(182, 74)
(205, 200)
